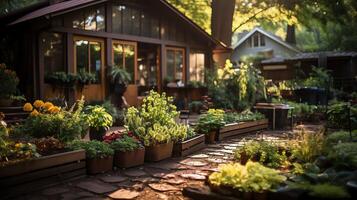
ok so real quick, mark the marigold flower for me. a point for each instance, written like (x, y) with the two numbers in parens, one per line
(28, 107)
(34, 113)
(18, 145)
(38, 103)
(54, 109)
(48, 105)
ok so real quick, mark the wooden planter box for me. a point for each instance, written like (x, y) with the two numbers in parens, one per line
(129, 158)
(39, 173)
(189, 146)
(158, 152)
(99, 165)
(234, 129)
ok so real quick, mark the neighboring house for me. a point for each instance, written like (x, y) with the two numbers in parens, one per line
(151, 39)
(260, 42)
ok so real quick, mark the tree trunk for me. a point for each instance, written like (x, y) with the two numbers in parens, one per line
(290, 34)
(222, 19)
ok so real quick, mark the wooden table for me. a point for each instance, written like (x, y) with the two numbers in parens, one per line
(274, 108)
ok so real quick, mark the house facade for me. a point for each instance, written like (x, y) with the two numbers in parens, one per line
(152, 40)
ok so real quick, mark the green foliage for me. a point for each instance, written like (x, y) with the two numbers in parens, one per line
(98, 117)
(9, 82)
(319, 77)
(86, 78)
(190, 133)
(340, 137)
(245, 116)
(328, 191)
(154, 122)
(337, 115)
(94, 148)
(264, 152)
(211, 121)
(344, 155)
(195, 106)
(119, 75)
(307, 146)
(61, 79)
(125, 144)
(196, 84)
(253, 177)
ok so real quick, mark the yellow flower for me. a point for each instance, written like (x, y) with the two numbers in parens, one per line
(54, 109)
(18, 145)
(34, 113)
(27, 107)
(48, 105)
(38, 103)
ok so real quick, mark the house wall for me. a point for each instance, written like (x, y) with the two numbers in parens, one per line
(278, 50)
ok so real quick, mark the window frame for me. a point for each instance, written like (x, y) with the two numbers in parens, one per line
(179, 49)
(204, 64)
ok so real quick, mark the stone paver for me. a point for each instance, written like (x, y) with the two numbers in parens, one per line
(159, 180)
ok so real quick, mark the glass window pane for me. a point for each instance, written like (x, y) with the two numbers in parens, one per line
(135, 21)
(117, 17)
(90, 23)
(100, 19)
(170, 65)
(155, 28)
(118, 55)
(78, 20)
(145, 25)
(52, 50)
(127, 25)
(179, 65)
(256, 40)
(262, 40)
(95, 58)
(129, 52)
(82, 55)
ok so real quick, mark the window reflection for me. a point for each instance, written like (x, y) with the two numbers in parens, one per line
(90, 19)
(52, 48)
(197, 64)
(175, 65)
(124, 57)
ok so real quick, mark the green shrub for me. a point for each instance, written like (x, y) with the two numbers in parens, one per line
(98, 117)
(337, 115)
(340, 136)
(94, 148)
(154, 122)
(9, 82)
(211, 121)
(125, 144)
(242, 117)
(344, 155)
(264, 152)
(253, 177)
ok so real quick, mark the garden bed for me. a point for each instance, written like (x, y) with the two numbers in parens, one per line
(234, 129)
(39, 173)
(189, 146)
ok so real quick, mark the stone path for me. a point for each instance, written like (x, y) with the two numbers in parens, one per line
(162, 180)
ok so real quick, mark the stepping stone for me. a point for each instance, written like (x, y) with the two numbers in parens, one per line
(164, 165)
(169, 176)
(96, 187)
(175, 181)
(75, 195)
(213, 146)
(157, 173)
(216, 160)
(146, 180)
(113, 179)
(124, 194)
(215, 154)
(199, 156)
(163, 187)
(210, 169)
(162, 196)
(230, 148)
(226, 151)
(55, 190)
(196, 177)
(194, 163)
(134, 172)
(126, 184)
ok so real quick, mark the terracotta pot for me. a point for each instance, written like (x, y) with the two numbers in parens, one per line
(6, 102)
(97, 133)
(99, 165)
(158, 152)
(129, 158)
(210, 137)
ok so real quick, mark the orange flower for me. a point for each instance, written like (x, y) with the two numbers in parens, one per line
(48, 105)
(54, 109)
(34, 113)
(38, 103)
(28, 107)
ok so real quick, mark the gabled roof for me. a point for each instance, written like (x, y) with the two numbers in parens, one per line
(269, 35)
(329, 54)
(71, 5)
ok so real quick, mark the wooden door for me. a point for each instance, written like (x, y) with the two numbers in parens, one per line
(89, 56)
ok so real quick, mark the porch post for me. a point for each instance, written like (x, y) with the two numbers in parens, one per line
(162, 66)
(70, 64)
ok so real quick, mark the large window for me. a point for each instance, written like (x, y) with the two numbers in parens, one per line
(92, 19)
(89, 57)
(124, 54)
(134, 21)
(256, 40)
(175, 65)
(52, 52)
(197, 66)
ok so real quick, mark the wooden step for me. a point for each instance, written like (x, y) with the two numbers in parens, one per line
(13, 109)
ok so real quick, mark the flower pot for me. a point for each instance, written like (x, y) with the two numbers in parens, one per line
(97, 133)
(210, 137)
(158, 152)
(99, 165)
(6, 102)
(129, 158)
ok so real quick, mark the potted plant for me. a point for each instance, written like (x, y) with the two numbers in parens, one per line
(129, 152)
(8, 87)
(154, 124)
(85, 78)
(99, 155)
(99, 122)
(210, 123)
(191, 143)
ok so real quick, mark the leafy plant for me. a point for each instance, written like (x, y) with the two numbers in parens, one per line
(9, 82)
(94, 148)
(247, 115)
(253, 177)
(264, 152)
(98, 117)
(195, 106)
(337, 115)
(196, 84)
(18, 151)
(125, 143)
(61, 79)
(119, 75)
(85, 78)
(344, 155)
(339, 137)
(328, 191)
(48, 145)
(154, 122)
(211, 121)
(319, 77)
